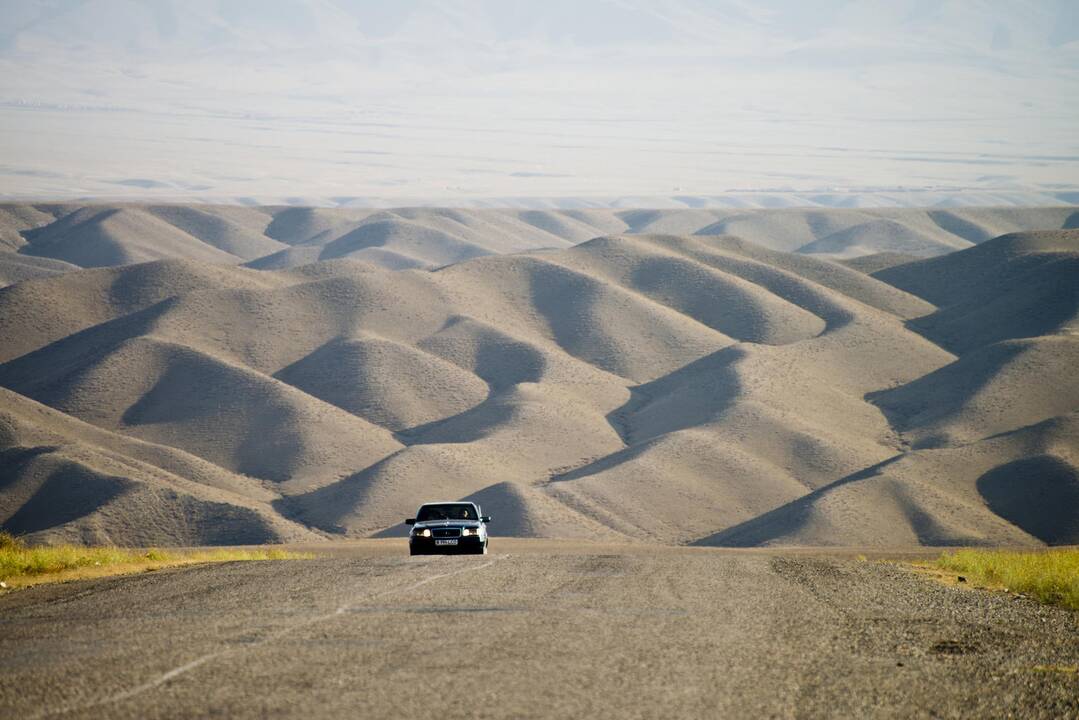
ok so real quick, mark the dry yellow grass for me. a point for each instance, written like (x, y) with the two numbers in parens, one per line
(21, 566)
(1051, 576)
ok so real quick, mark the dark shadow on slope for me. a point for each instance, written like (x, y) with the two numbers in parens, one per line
(880, 234)
(324, 507)
(948, 221)
(557, 224)
(400, 530)
(196, 387)
(786, 284)
(213, 523)
(635, 220)
(1040, 495)
(567, 300)
(981, 272)
(943, 392)
(500, 360)
(48, 365)
(711, 381)
(786, 518)
(728, 304)
(348, 372)
(70, 492)
(464, 427)
(606, 462)
(42, 237)
(184, 392)
(925, 526)
(506, 508)
(14, 460)
(384, 233)
(1039, 298)
(304, 225)
(273, 443)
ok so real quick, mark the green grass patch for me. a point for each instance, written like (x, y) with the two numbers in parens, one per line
(1051, 576)
(21, 565)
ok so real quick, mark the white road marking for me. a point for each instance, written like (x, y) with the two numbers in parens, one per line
(189, 666)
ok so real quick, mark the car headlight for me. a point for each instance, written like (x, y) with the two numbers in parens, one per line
(470, 531)
(426, 532)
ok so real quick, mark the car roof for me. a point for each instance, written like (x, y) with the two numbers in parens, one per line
(449, 502)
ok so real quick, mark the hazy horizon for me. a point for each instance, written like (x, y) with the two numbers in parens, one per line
(327, 101)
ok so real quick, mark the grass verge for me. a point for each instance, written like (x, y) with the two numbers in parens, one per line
(21, 566)
(1050, 576)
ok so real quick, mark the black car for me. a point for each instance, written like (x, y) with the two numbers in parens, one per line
(448, 527)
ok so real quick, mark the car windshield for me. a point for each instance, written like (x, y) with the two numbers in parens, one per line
(448, 511)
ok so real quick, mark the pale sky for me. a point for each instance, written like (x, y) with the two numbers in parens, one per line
(467, 101)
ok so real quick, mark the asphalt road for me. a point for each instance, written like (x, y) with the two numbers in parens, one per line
(566, 631)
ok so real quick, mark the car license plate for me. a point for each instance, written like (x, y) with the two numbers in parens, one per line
(446, 542)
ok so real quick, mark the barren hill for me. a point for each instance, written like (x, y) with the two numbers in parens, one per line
(40, 239)
(576, 372)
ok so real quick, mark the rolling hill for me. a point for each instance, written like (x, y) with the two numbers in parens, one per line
(56, 237)
(599, 374)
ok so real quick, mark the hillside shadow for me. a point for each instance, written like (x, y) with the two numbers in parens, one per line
(1040, 495)
(787, 518)
(942, 393)
(14, 460)
(69, 492)
(713, 374)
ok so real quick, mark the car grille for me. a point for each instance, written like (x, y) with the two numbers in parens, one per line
(447, 532)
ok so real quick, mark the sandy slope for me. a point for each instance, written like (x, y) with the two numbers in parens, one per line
(16, 219)
(1017, 285)
(670, 388)
(79, 483)
(98, 237)
(1016, 488)
(37, 312)
(878, 261)
(16, 268)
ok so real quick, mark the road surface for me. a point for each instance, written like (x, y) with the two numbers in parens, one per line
(541, 631)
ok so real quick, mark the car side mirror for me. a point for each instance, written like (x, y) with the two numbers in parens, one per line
(485, 518)
(410, 521)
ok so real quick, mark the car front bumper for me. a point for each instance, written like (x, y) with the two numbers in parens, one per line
(465, 545)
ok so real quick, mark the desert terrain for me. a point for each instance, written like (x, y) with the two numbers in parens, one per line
(201, 375)
(753, 328)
